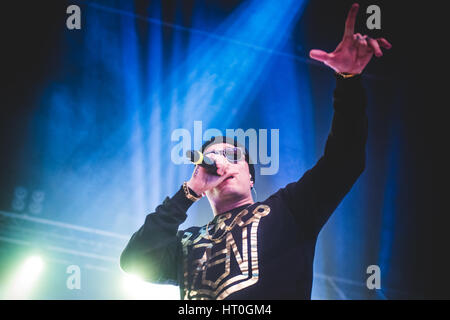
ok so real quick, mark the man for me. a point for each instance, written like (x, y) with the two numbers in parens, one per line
(261, 250)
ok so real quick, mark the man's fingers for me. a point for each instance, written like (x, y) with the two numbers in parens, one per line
(226, 169)
(384, 43)
(375, 46)
(226, 174)
(358, 36)
(363, 44)
(360, 40)
(319, 55)
(221, 168)
(350, 22)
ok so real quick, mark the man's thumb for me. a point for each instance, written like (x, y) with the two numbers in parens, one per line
(318, 55)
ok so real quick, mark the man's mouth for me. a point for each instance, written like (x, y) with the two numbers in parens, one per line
(224, 182)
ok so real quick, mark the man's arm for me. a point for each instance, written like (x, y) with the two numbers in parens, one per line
(316, 195)
(154, 251)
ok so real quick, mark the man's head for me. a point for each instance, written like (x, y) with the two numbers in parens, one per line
(238, 187)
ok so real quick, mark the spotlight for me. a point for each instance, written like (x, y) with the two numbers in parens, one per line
(25, 278)
(137, 289)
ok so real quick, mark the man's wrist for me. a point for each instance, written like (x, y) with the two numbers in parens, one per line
(190, 192)
(346, 75)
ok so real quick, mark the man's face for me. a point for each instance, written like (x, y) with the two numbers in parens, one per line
(239, 185)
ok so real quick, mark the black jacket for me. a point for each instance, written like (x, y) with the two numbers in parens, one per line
(266, 250)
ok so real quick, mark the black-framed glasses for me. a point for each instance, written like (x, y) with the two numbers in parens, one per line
(232, 154)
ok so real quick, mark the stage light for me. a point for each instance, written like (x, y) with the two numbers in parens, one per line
(223, 74)
(25, 279)
(136, 288)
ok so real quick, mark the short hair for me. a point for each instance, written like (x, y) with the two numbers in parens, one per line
(234, 142)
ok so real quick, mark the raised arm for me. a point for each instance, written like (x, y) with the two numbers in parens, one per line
(314, 197)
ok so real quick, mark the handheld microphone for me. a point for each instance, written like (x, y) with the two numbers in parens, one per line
(196, 157)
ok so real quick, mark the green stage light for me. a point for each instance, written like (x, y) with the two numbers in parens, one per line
(137, 289)
(25, 279)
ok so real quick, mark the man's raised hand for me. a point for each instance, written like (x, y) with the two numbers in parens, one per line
(354, 51)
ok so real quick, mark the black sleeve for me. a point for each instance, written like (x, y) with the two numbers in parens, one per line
(154, 251)
(314, 197)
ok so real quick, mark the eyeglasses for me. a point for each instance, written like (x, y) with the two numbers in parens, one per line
(233, 155)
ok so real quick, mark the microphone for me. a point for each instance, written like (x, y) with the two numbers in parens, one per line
(196, 157)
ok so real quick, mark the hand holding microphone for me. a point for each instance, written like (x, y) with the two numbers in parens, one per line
(209, 172)
(196, 157)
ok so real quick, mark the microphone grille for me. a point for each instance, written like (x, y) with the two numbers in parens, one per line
(193, 155)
